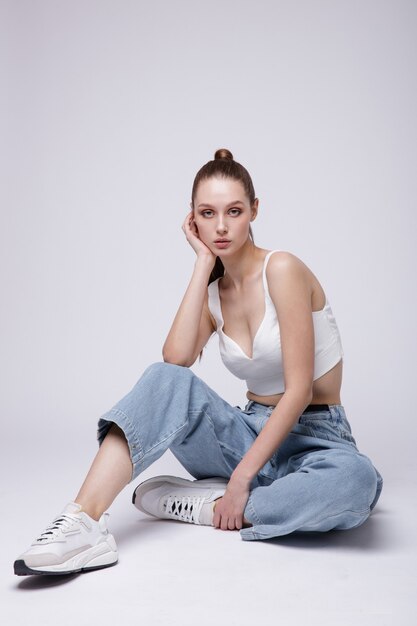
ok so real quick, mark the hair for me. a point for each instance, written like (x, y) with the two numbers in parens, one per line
(224, 166)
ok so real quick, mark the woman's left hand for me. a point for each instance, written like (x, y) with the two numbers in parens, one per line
(228, 512)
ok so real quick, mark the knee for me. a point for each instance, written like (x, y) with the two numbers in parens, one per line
(369, 479)
(163, 370)
(361, 480)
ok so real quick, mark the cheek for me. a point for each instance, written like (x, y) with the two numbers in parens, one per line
(243, 227)
(202, 228)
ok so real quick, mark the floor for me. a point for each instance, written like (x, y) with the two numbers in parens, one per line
(177, 573)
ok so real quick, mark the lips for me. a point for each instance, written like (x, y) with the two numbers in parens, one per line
(222, 241)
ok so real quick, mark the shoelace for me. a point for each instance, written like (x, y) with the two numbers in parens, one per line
(60, 523)
(186, 509)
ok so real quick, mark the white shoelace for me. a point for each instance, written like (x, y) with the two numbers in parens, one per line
(60, 523)
(186, 509)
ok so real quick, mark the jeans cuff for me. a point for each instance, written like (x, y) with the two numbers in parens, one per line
(250, 514)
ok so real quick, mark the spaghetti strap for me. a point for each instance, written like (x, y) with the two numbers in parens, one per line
(214, 303)
(264, 280)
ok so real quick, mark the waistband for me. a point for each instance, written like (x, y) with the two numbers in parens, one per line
(316, 407)
(309, 409)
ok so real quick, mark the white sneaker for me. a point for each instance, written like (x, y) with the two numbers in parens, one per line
(73, 542)
(170, 497)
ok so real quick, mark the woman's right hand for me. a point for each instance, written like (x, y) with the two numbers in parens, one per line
(191, 232)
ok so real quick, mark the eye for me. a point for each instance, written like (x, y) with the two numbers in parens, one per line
(203, 213)
(236, 211)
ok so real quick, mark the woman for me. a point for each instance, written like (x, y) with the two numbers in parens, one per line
(287, 461)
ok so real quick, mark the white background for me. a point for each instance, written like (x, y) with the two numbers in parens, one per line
(108, 109)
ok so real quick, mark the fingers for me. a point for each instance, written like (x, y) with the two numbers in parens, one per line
(227, 523)
(189, 225)
(189, 219)
(187, 222)
(230, 523)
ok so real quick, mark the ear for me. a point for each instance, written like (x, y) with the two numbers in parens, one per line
(254, 210)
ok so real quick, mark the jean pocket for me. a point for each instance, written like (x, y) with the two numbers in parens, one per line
(324, 426)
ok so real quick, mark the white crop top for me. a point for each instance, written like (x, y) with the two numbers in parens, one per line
(264, 373)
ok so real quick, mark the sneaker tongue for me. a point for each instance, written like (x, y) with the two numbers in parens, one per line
(71, 508)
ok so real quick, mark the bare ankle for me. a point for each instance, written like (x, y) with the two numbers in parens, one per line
(92, 512)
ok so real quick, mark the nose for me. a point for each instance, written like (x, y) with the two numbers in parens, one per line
(221, 227)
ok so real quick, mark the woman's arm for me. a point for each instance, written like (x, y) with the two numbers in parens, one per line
(291, 294)
(192, 325)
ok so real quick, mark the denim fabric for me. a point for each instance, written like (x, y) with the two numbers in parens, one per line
(317, 479)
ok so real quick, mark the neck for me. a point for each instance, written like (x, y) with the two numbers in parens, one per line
(243, 264)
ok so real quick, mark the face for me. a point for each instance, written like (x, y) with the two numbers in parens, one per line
(223, 214)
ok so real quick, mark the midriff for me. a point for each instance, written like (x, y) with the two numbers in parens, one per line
(326, 389)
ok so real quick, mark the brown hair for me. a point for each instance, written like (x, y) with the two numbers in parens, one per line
(224, 166)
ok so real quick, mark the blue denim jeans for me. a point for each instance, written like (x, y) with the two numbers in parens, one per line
(317, 480)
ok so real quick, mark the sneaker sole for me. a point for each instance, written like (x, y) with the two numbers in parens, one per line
(146, 485)
(83, 562)
(21, 569)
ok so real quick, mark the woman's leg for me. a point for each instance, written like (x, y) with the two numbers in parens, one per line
(171, 408)
(168, 406)
(332, 489)
(109, 473)
(322, 482)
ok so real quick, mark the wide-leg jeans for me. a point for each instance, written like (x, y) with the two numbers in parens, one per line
(317, 480)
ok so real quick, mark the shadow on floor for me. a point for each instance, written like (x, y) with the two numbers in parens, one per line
(44, 581)
(376, 534)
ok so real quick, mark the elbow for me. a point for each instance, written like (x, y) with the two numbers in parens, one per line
(303, 395)
(307, 395)
(175, 359)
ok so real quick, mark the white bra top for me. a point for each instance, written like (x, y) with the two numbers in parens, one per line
(264, 372)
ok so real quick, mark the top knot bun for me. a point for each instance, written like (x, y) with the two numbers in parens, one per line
(223, 153)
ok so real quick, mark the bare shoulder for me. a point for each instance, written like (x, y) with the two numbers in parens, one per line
(289, 282)
(283, 264)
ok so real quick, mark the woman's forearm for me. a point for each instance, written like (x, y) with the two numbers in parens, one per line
(180, 344)
(272, 435)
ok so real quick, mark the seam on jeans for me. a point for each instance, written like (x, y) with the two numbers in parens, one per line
(230, 450)
(327, 517)
(136, 444)
(222, 445)
(164, 439)
(252, 510)
(245, 534)
(260, 535)
(142, 452)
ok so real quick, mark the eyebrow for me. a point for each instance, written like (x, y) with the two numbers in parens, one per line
(212, 207)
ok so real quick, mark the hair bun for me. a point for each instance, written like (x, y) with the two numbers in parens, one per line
(223, 153)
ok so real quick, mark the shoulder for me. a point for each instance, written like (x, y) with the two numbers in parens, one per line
(282, 264)
(288, 280)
